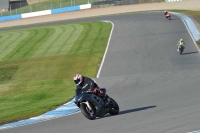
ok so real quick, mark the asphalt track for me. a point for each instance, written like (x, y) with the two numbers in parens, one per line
(156, 88)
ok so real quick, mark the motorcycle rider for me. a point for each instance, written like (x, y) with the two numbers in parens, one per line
(167, 14)
(84, 83)
(180, 44)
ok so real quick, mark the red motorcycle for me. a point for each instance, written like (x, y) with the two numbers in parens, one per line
(168, 16)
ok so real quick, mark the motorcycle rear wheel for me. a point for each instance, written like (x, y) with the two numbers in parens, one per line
(181, 51)
(88, 114)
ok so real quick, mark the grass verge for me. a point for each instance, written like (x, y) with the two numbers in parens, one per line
(37, 66)
(150, 1)
(198, 43)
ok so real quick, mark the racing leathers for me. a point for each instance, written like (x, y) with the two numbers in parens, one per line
(180, 44)
(89, 84)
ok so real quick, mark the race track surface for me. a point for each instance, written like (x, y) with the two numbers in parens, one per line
(156, 88)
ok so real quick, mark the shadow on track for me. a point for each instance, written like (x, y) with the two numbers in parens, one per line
(175, 18)
(131, 110)
(190, 53)
(135, 110)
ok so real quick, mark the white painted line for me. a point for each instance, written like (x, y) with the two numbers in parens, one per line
(106, 49)
(43, 117)
(34, 14)
(67, 108)
(187, 30)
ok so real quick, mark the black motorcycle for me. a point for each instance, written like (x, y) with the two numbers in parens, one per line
(93, 106)
(181, 48)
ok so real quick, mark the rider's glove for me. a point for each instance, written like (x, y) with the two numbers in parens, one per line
(96, 91)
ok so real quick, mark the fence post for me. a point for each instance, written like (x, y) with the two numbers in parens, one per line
(30, 9)
(10, 9)
(51, 4)
(20, 7)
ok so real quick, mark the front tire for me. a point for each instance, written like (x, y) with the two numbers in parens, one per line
(88, 114)
(114, 109)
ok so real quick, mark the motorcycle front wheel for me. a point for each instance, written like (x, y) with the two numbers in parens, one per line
(114, 108)
(90, 114)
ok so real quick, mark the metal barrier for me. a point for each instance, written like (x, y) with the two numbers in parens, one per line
(46, 12)
(40, 5)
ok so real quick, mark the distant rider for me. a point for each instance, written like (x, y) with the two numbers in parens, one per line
(167, 14)
(180, 44)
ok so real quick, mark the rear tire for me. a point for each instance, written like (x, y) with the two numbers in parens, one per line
(114, 109)
(181, 50)
(88, 114)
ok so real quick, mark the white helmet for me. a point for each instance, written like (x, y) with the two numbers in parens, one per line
(78, 79)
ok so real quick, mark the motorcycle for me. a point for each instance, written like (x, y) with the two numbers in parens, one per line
(93, 106)
(180, 49)
(168, 16)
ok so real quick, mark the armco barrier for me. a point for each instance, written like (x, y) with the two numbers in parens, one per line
(34, 14)
(12, 17)
(65, 9)
(86, 6)
(46, 12)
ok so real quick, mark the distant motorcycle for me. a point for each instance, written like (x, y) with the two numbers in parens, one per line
(168, 16)
(180, 49)
(93, 106)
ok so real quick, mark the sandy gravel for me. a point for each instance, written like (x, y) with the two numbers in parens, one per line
(185, 4)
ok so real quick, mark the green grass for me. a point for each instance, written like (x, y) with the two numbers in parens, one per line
(37, 66)
(198, 43)
(150, 1)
